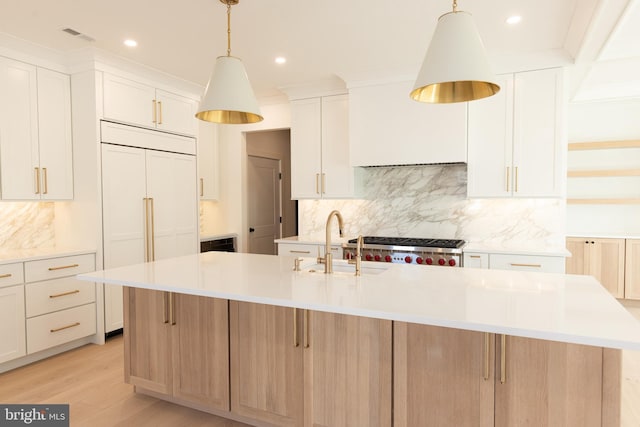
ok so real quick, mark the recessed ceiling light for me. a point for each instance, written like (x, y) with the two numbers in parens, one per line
(512, 20)
(131, 43)
(281, 60)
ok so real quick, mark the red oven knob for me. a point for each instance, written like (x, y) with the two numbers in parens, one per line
(441, 261)
(429, 261)
(387, 258)
(368, 257)
(378, 257)
(419, 260)
(452, 262)
(408, 259)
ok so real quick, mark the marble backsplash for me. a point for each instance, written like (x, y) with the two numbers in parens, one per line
(27, 225)
(431, 201)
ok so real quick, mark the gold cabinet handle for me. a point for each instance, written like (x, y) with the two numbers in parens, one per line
(44, 177)
(324, 183)
(300, 252)
(159, 112)
(474, 256)
(295, 328)
(145, 202)
(317, 183)
(515, 264)
(165, 307)
(201, 187)
(62, 267)
(306, 329)
(153, 111)
(487, 355)
(503, 359)
(37, 180)
(64, 294)
(152, 249)
(73, 325)
(4, 276)
(508, 176)
(516, 179)
(172, 309)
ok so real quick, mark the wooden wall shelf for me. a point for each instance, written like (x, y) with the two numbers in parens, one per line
(603, 173)
(603, 145)
(626, 201)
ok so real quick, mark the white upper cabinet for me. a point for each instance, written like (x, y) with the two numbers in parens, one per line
(389, 128)
(35, 133)
(131, 102)
(320, 148)
(516, 142)
(208, 172)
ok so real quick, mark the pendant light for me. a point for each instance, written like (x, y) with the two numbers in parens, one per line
(228, 97)
(455, 68)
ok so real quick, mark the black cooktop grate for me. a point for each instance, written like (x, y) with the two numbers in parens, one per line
(412, 241)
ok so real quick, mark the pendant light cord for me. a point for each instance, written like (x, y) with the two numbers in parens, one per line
(228, 29)
(455, 5)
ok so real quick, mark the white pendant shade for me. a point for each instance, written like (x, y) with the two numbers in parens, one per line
(455, 68)
(229, 97)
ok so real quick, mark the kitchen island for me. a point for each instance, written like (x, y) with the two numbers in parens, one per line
(246, 337)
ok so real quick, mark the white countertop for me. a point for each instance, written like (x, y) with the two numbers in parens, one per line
(314, 240)
(9, 256)
(604, 236)
(556, 307)
(207, 237)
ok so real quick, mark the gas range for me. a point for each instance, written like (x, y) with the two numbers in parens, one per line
(408, 250)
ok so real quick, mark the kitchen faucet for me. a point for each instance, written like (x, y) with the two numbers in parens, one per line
(328, 256)
(358, 259)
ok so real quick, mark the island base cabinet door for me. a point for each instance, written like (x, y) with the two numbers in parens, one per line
(632, 270)
(442, 377)
(200, 341)
(266, 363)
(547, 383)
(147, 340)
(347, 370)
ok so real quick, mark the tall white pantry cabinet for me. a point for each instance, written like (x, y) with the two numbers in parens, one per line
(149, 202)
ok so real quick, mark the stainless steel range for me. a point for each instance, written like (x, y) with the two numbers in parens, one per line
(407, 250)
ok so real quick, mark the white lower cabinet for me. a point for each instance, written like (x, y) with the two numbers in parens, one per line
(12, 328)
(518, 262)
(308, 250)
(50, 330)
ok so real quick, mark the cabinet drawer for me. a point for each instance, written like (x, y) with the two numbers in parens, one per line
(11, 274)
(58, 294)
(52, 268)
(476, 260)
(541, 264)
(302, 250)
(57, 328)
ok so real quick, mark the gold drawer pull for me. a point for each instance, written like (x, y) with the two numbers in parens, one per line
(62, 267)
(64, 294)
(73, 325)
(526, 265)
(4, 276)
(474, 256)
(300, 252)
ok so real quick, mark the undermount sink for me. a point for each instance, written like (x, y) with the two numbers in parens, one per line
(341, 267)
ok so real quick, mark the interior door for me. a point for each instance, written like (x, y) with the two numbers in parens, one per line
(171, 184)
(123, 193)
(264, 204)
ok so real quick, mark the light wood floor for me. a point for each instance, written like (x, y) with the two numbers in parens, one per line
(90, 379)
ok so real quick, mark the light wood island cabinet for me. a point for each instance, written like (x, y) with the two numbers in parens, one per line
(293, 367)
(466, 378)
(177, 345)
(632, 269)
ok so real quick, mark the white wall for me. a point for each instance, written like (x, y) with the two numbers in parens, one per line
(604, 121)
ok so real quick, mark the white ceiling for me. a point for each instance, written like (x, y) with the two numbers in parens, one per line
(355, 39)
